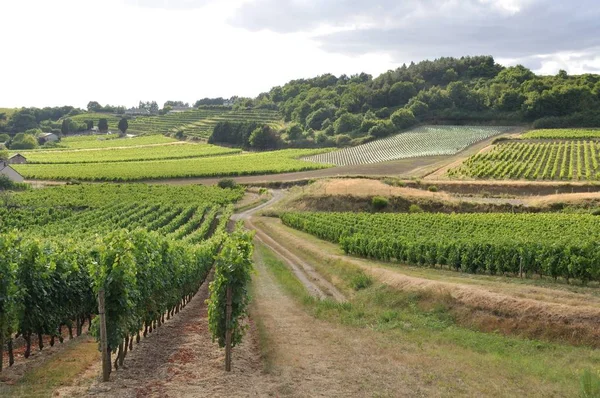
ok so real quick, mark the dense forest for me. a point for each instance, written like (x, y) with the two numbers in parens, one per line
(349, 110)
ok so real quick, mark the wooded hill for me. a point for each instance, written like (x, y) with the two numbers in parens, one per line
(468, 90)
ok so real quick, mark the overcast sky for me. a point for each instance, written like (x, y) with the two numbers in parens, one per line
(68, 52)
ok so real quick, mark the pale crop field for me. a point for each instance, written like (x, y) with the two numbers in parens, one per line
(177, 150)
(421, 141)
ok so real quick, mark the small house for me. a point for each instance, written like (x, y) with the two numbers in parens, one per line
(11, 173)
(17, 159)
(227, 102)
(47, 137)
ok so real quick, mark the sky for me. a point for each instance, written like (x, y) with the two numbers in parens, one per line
(118, 52)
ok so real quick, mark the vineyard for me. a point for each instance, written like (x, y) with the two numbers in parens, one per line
(577, 134)
(178, 150)
(421, 141)
(560, 160)
(148, 248)
(214, 166)
(553, 245)
(197, 123)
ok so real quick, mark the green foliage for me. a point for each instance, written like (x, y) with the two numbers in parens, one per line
(4, 137)
(68, 251)
(379, 202)
(554, 245)
(233, 268)
(264, 138)
(103, 125)
(347, 123)
(361, 281)
(227, 183)
(432, 188)
(342, 140)
(218, 166)
(564, 160)
(401, 92)
(403, 119)
(123, 126)
(23, 141)
(589, 384)
(413, 209)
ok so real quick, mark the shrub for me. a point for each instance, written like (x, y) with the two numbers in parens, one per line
(361, 281)
(432, 188)
(227, 183)
(342, 140)
(4, 137)
(379, 202)
(403, 118)
(415, 209)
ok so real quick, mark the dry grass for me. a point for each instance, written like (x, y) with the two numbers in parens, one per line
(59, 370)
(554, 312)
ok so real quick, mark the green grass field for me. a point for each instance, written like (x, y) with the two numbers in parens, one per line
(178, 150)
(562, 134)
(215, 166)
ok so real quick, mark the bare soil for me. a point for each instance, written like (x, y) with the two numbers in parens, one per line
(180, 360)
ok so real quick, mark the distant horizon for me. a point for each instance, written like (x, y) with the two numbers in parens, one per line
(191, 102)
(183, 50)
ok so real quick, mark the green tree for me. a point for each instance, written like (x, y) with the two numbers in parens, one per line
(401, 92)
(294, 132)
(264, 138)
(23, 141)
(403, 119)
(65, 126)
(123, 126)
(103, 125)
(4, 137)
(418, 108)
(94, 106)
(347, 122)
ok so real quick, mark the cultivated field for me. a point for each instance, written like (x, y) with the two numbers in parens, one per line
(562, 133)
(421, 141)
(175, 150)
(194, 123)
(552, 160)
(214, 166)
(553, 245)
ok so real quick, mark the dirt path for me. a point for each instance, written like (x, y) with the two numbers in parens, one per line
(315, 284)
(532, 309)
(321, 359)
(180, 360)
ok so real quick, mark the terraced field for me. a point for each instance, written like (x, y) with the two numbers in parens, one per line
(421, 141)
(196, 123)
(551, 160)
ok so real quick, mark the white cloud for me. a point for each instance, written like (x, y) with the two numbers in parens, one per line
(122, 51)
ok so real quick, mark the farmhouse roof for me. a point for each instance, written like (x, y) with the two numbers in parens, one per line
(17, 155)
(46, 134)
(5, 165)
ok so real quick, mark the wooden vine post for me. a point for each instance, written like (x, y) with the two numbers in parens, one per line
(228, 331)
(106, 365)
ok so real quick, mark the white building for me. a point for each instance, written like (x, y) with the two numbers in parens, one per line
(11, 173)
(47, 137)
